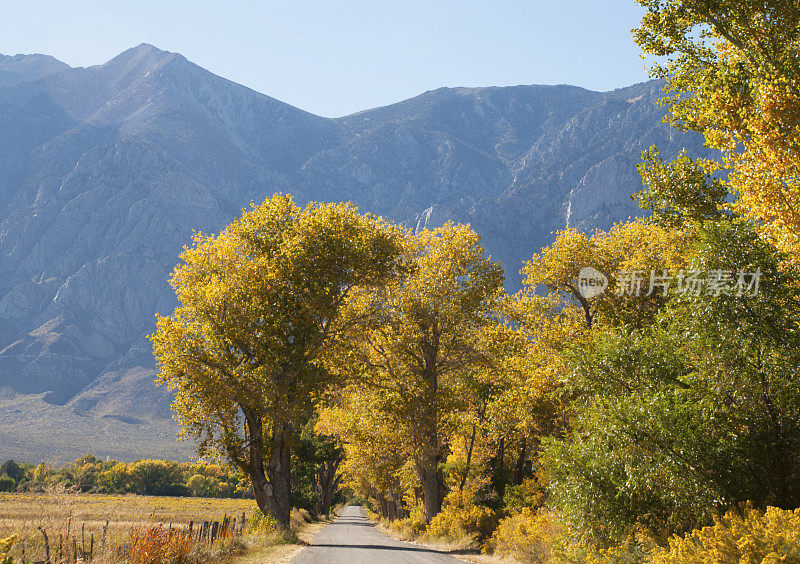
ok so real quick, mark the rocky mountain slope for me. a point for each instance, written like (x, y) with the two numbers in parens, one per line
(106, 170)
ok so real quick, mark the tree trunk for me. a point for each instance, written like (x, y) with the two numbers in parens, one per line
(328, 490)
(384, 506)
(430, 447)
(329, 482)
(262, 489)
(271, 482)
(499, 469)
(398, 510)
(519, 470)
(469, 460)
(431, 486)
(279, 473)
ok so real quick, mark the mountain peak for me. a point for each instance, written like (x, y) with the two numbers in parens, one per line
(142, 57)
(146, 48)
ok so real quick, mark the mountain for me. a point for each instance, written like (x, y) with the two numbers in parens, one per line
(106, 170)
(25, 68)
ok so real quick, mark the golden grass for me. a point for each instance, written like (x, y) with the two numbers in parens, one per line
(73, 520)
(159, 544)
(262, 550)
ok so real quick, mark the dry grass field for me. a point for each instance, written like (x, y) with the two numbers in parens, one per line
(111, 527)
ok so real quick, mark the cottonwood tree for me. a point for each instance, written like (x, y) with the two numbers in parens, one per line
(428, 331)
(733, 74)
(640, 248)
(258, 304)
(374, 451)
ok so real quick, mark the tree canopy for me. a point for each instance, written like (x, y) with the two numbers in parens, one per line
(259, 303)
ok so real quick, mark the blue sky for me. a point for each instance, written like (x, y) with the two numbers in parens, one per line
(337, 57)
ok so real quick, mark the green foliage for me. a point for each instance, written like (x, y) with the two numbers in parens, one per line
(7, 483)
(315, 482)
(681, 191)
(157, 477)
(13, 470)
(690, 416)
(144, 477)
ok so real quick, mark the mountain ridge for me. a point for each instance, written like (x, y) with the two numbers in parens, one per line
(25, 68)
(106, 170)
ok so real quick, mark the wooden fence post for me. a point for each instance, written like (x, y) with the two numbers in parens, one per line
(103, 542)
(46, 545)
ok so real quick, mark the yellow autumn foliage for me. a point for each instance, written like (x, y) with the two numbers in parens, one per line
(753, 536)
(5, 547)
(640, 247)
(527, 536)
(732, 69)
(415, 524)
(461, 517)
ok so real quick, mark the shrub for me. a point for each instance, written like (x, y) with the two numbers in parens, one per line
(260, 523)
(157, 477)
(530, 493)
(527, 536)
(13, 470)
(414, 525)
(461, 517)
(752, 536)
(41, 473)
(265, 525)
(298, 517)
(636, 549)
(116, 479)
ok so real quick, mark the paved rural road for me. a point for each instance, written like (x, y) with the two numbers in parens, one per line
(353, 539)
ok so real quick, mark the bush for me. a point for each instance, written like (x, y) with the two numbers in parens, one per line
(414, 525)
(7, 484)
(157, 477)
(527, 536)
(299, 517)
(265, 525)
(260, 523)
(530, 493)
(752, 536)
(461, 517)
(13, 470)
